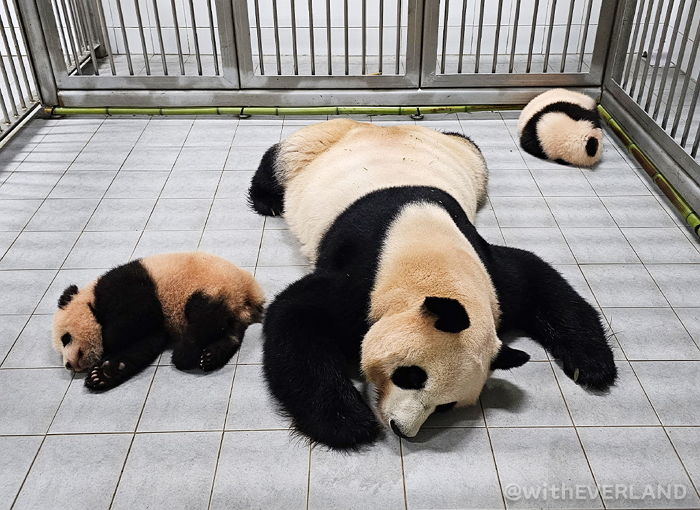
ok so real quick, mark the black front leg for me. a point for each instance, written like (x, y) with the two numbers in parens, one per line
(117, 367)
(538, 300)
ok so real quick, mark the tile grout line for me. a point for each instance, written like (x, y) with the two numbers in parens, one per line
(493, 454)
(403, 475)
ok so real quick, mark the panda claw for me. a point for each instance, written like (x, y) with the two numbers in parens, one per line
(121, 366)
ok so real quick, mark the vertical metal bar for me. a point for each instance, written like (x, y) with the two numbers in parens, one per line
(462, 29)
(105, 37)
(691, 110)
(159, 31)
(444, 36)
(549, 36)
(212, 33)
(567, 35)
(516, 18)
(142, 36)
(652, 40)
(276, 31)
(533, 30)
(11, 62)
(638, 63)
(478, 36)
(178, 42)
(671, 47)
(5, 115)
(686, 82)
(258, 31)
(498, 35)
(195, 39)
(633, 44)
(15, 43)
(346, 36)
(8, 89)
(122, 25)
(64, 41)
(311, 37)
(329, 42)
(659, 50)
(72, 36)
(584, 36)
(90, 35)
(679, 60)
(364, 37)
(398, 36)
(381, 36)
(80, 29)
(295, 55)
(694, 152)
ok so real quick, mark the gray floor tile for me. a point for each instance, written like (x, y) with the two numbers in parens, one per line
(239, 246)
(102, 249)
(369, 479)
(121, 214)
(14, 214)
(234, 185)
(651, 334)
(17, 456)
(470, 416)
(275, 279)
(492, 235)
(535, 350)
(63, 214)
(600, 246)
(179, 214)
(620, 181)
(22, 290)
(153, 242)
(662, 245)
(39, 250)
(151, 158)
(191, 184)
(637, 212)
(672, 389)
(579, 212)
(625, 403)
(29, 185)
(680, 283)
(244, 158)
(534, 163)
(565, 182)
(194, 159)
(102, 156)
(503, 158)
(187, 401)
(212, 132)
(485, 217)
(690, 317)
(541, 458)
(526, 397)
(251, 405)
(512, 183)
(451, 468)
(522, 212)
(251, 348)
(10, 328)
(153, 476)
(634, 458)
(83, 479)
(20, 388)
(33, 347)
(257, 136)
(117, 410)
(64, 278)
(233, 214)
(623, 285)
(83, 185)
(166, 132)
(137, 185)
(280, 248)
(687, 444)
(489, 133)
(264, 470)
(548, 243)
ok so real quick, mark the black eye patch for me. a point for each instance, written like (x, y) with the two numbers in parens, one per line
(444, 407)
(65, 339)
(409, 378)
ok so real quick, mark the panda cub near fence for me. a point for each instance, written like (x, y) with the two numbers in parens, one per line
(564, 126)
(118, 324)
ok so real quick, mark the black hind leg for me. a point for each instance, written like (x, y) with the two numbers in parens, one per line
(266, 194)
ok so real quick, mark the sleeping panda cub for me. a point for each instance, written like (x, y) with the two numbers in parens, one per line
(562, 125)
(403, 285)
(117, 325)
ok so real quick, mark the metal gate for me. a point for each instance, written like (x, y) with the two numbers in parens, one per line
(315, 52)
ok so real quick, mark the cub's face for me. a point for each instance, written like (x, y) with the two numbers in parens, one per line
(426, 360)
(76, 333)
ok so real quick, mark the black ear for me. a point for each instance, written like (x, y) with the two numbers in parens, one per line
(592, 146)
(67, 296)
(451, 315)
(508, 358)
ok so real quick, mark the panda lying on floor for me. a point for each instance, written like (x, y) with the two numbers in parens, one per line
(403, 283)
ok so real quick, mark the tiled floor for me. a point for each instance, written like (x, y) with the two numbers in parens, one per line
(79, 195)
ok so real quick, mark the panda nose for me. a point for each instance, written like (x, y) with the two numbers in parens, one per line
(396, 429)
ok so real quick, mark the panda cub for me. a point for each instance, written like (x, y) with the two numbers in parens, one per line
(563, 126)
(118, 324)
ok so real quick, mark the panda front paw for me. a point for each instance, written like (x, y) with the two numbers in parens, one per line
(106, 375)
(596, 372)
(218, 354)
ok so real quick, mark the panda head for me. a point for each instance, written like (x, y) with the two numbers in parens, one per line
(570, 141)
(76, 333)
(431, 358)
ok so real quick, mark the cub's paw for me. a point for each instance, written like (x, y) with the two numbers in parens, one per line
(106, 376)
(595, 371)
(218, 354)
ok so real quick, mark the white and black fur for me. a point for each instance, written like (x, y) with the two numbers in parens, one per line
(563, 126)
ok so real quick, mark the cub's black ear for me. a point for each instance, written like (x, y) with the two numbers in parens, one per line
(67, 296)
(451, 315)
(508, 358)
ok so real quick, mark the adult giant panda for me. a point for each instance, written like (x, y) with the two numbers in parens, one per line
(402, 283)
